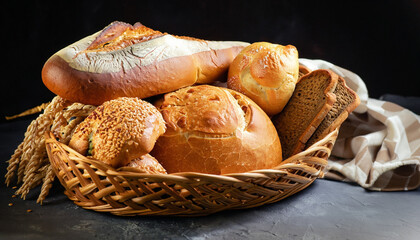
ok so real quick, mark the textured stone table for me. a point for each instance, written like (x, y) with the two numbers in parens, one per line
(325, 210)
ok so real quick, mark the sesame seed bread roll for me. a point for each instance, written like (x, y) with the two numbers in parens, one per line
(119, 131)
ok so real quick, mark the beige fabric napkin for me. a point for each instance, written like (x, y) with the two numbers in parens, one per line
(378, 146)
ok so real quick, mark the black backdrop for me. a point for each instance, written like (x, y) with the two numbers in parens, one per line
(378, 40)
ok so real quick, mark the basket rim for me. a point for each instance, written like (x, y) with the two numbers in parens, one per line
(229, 177)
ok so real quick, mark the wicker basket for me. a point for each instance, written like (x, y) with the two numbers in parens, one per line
(94, 185)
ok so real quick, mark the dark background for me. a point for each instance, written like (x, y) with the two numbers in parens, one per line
(378, 40)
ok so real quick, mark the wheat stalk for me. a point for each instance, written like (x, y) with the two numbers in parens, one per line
(29, 162)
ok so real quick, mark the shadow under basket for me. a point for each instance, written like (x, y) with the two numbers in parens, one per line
(95, 185)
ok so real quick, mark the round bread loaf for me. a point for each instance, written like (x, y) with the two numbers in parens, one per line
(215, 130)
(134, 61)
(267, 73)
(119, 131)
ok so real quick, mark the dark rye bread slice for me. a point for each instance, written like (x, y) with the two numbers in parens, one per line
(303, 70)
(311, 101)
(347, 101)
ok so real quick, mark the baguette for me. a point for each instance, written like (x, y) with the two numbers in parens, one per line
(126, 60)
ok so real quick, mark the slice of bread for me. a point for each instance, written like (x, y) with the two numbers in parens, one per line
(347, 101)
(303, 70)
(310, 103)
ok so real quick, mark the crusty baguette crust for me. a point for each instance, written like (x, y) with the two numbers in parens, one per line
(146, 68)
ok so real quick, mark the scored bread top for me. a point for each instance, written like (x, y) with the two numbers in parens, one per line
(120, 35)
(215, 130)
(202, 110)
(132, 47)
(310, 103)
(135, 61)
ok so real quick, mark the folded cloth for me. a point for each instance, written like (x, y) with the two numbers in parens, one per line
(378, 146)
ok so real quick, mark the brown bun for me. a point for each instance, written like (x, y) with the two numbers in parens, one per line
(215, 130)
(134, 61)
(147, 164)
(119, 131)
(267, 73)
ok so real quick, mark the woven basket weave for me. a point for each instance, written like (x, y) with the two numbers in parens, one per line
(94, 185)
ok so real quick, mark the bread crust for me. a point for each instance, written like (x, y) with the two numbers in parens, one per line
(100, 68)
(347, 101)
(303, 70)
(215, 130)
(146, 164)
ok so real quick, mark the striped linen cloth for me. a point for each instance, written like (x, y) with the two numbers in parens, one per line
(378, 146)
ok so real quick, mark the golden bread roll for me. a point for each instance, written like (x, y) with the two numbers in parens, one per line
(119, 131)
(126, 60)
(215, 130)
(267, 73)
(147, 164)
